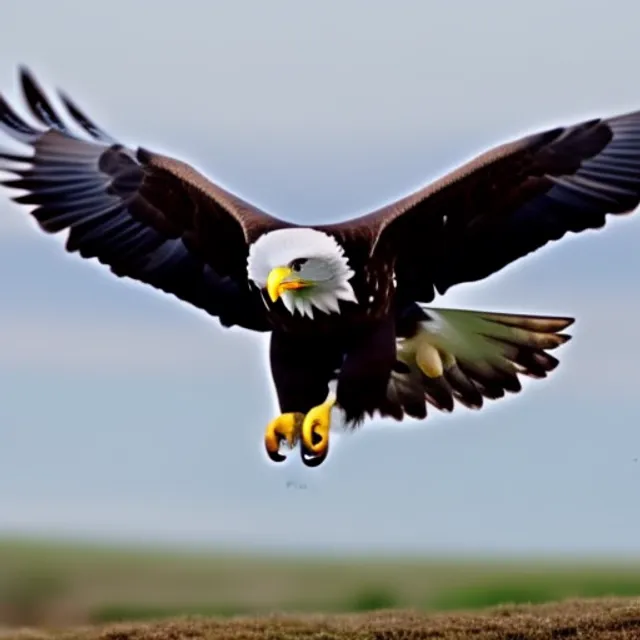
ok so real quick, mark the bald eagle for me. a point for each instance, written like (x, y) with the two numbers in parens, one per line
(347, 305)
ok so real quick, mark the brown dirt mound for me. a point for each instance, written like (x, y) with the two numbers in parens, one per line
(604, 619)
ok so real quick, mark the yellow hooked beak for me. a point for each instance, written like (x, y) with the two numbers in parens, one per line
(281, 280)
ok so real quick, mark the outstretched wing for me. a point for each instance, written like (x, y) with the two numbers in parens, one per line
(148, 217)
(509, 202)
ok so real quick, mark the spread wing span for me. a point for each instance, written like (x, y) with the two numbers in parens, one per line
(509, 202)
(148, 217)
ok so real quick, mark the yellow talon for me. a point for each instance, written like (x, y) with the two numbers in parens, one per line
(285, 428)
(315, 433)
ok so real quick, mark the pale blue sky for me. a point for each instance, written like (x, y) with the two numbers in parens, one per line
(317, 111)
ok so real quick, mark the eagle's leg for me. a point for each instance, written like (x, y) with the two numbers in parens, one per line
(301, 366)
(285, 429)
(314, 441)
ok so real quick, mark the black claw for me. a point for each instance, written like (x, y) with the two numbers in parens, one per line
(276, 456)
(311, 459)
(314, 461)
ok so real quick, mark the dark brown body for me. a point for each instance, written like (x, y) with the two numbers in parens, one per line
(356, 347)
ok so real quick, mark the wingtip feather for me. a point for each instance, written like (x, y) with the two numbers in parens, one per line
(25, 74)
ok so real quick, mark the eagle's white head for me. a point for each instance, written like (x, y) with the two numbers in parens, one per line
(303, 267)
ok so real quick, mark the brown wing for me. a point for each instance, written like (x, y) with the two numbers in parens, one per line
(148, 217)
(509, 202)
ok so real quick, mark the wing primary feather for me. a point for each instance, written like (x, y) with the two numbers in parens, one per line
(88, 125)
(38, 103)
(14, 125)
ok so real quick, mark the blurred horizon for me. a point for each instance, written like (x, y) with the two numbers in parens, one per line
(80, 542)
(126, 416)
(59, 585)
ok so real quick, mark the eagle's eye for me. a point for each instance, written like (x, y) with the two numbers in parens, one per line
(296, 264)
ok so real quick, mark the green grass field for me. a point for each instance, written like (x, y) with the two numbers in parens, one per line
(70, 584)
